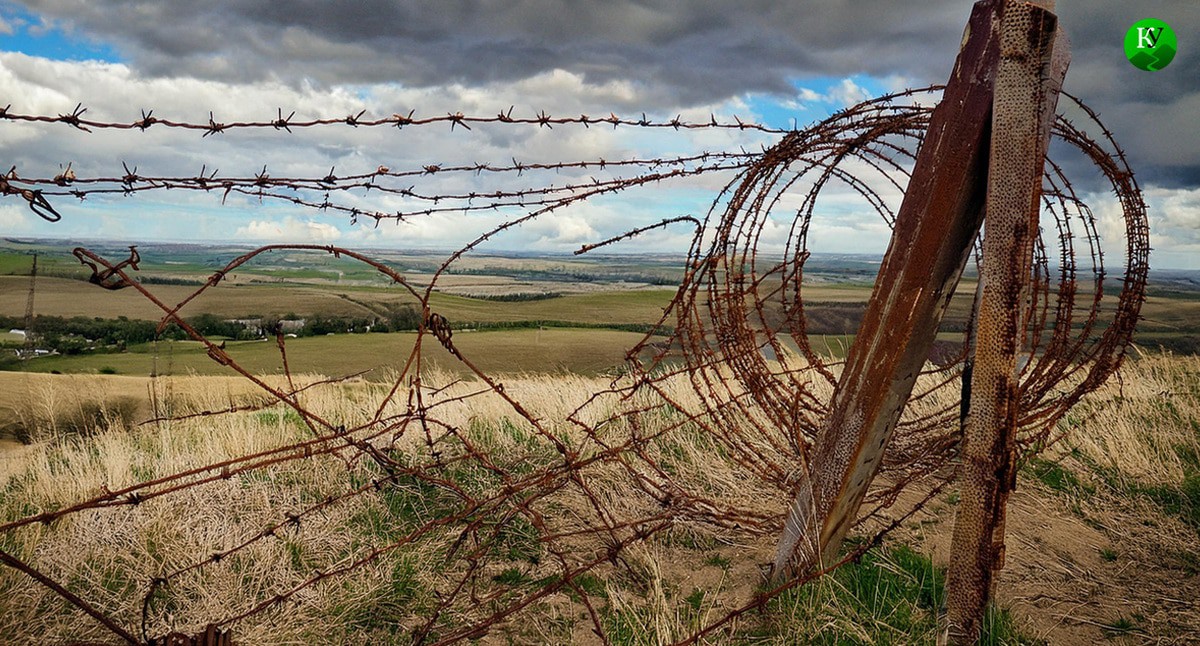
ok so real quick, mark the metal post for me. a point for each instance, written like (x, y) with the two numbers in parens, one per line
(1028, 79)
(935, 228)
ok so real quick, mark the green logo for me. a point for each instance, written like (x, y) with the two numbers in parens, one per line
(1150, 44)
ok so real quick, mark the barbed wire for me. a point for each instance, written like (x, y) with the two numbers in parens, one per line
(730, 362)
(542, 119)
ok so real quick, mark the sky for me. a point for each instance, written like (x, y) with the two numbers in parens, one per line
(783, 64)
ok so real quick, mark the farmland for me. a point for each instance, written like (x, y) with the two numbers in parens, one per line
(1118, 495)
(514, 313)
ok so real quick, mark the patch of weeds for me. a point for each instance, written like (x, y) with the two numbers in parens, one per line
(296, 556)
(518, 540)
(1053, 475)
(117, 580)
(92, 417)
(695, 599)
(376, 523)
(512, 576)
(1189, 454)
(716, 560)
(627, 626)
(1108, 554)
(889, 596)
(289, 417)
(401, 596)
(1167, 408)
(1121, 626)
(415, 501)
(886, 593)
(142, 472)
(524, 449)
(1183, 502)
(1000, 629)
(687, 538)
(592, 586)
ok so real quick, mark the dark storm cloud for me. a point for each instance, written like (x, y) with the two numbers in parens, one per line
(678, 52)
(703, 49)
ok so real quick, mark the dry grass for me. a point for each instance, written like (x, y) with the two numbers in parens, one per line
(1145, 426)
(659, 591)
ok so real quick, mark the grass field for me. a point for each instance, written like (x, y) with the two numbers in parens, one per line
(1102, 533)
(1104, 528)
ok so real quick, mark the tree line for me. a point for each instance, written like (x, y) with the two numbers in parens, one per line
(80, 334)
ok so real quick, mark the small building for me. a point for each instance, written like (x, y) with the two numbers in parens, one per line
(254, 325)
(291, 327)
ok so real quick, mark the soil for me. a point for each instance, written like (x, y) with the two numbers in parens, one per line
(1081, 572)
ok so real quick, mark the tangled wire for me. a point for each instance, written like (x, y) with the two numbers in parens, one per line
(734, 370)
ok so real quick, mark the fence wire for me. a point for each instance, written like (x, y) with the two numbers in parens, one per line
(731, 370)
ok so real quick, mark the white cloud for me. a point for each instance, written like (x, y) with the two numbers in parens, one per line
(114, 91)
(557, 230)
(15, 218)
(847, 93)
(288, 229)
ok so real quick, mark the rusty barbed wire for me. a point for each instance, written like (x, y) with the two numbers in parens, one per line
(315, 192)
(734, 363)
(542, 119)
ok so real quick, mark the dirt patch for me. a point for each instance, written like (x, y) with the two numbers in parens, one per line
(1103, 570)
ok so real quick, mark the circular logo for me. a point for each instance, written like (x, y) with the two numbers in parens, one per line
(1150, 44)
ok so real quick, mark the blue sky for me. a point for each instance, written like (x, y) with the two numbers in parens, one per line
(30, 34)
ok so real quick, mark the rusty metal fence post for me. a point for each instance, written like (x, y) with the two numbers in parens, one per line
(1031, 69)
(937, 223)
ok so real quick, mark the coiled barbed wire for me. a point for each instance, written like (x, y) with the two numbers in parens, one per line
(737, 335)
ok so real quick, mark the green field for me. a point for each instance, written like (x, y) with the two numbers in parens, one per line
(599, 294)
(581, 351)
(63, 297)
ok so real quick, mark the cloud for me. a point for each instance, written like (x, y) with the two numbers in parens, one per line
(557, 231)
(288, 229)
(636, 54)
(16, 218)
(688, 57)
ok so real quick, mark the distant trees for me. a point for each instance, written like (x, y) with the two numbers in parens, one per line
(81, 334)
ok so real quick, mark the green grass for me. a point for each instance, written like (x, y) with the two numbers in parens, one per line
(890, 596)
(1181, 500)
(716, 560)
(1122, 626)
(1056, 477)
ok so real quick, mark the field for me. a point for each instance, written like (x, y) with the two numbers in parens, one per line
(65, 297)
(1103, 532)
(582, 351)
